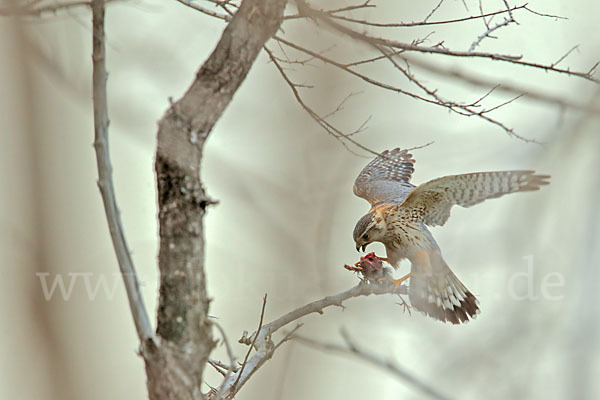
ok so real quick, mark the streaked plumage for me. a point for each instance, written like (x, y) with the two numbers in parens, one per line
(400, 213)
(386, 178)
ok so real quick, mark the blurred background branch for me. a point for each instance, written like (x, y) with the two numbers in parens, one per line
(352, 348)
(40, 8)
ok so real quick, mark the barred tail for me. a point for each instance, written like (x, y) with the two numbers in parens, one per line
(441, 295)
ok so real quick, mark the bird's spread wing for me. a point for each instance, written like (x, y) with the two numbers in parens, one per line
(386, 178)
(431, 202)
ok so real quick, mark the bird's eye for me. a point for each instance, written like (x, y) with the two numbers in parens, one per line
(365, 236)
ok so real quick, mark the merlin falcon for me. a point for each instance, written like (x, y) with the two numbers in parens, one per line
(399, 216)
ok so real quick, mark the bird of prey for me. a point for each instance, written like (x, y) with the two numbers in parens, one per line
(400, 213)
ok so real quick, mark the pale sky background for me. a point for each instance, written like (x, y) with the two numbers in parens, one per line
(286, 213)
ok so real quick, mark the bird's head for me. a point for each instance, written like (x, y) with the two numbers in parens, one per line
(370, 228)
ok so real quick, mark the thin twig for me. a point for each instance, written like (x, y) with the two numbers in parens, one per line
(488, 33)
(221, 365)
(508, 9)
(218, 367)
(462, 109)
(544, 15)
(485, 22)
(336, 133)
(424, 23)
(555, 63)
(503, 104)
(231, 359)
(366, 4)
(288, 336)
(506, 87)
(333, 12)
(477, 102)
(372, 59)
(105, 182)
(204, 10)
(340, 106)
(260, 323)
(433, 11)
(355, 350)
(421, 146)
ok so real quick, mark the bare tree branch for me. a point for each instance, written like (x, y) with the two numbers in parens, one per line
(252, 345)
(489, 31)
(506, 87)
(304, 8)
(433, 10)
(261, 340)
(105, 182)
(221, 367)
(334, 12)
(204, 10)
(561, 59)
(544, 15)
(422, 23)
(462, 109)
(352, 348)
(400, 51)
(459, 108)
(30, 9)
(395, 49)
(330, 128)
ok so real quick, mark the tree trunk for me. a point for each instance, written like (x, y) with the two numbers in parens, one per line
(176, 366)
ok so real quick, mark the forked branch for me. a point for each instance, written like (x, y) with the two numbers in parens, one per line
(261, 340)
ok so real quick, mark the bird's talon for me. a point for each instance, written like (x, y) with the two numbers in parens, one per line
(405, 306)
(397, 282)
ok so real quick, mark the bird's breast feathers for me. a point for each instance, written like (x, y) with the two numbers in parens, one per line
(405, 237)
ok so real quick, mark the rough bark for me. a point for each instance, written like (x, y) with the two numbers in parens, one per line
(176, 366)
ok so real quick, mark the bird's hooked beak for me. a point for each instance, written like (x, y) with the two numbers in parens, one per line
(360, 248)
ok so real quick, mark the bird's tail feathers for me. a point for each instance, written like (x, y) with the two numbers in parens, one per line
(442, 296)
